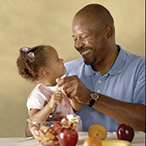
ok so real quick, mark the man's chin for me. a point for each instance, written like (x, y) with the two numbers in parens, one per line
(86, 62)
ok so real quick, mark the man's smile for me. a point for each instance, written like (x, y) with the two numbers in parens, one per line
(85, 53)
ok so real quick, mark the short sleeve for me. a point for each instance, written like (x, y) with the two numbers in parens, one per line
(36, 100)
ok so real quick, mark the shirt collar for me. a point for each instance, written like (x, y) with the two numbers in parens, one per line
(88, 70)
(54, 88)
(119, 63)
(117, 67)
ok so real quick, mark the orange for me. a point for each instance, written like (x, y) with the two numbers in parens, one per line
(97, 130)
(92, 141)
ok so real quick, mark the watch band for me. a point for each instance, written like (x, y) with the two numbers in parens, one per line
(94, 97)
(91, 103)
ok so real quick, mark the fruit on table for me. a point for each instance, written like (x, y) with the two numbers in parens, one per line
(97, 130)
(67, 137)
(125, 132)
(115, 143)
(92, 141)
(49, 135)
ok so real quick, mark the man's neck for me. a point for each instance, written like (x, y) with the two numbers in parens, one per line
(107, 64)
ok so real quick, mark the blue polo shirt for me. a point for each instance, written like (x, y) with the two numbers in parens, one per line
(125, 81)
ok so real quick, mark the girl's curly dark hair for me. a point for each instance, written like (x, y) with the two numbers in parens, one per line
(28, 68)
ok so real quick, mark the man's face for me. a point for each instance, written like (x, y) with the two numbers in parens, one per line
(89, 39)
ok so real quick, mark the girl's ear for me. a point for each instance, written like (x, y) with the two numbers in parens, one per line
(45, 73)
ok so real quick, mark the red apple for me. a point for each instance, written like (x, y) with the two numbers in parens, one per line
(67, 137)
(125, 132)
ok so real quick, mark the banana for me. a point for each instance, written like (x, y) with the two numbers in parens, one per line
(115, 143)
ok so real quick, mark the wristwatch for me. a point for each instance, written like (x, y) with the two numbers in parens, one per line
(94, 97)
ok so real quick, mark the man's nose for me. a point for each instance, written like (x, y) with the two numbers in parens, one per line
(78, 44)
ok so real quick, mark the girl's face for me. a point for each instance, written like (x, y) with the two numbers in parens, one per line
(55, 65)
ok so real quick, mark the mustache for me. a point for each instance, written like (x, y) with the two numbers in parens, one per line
(84, 48)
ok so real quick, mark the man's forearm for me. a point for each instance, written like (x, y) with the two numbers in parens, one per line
(122, 112)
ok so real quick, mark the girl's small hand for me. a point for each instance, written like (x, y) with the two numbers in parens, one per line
(55, 99)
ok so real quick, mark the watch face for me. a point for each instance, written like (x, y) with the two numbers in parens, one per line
(94, 96)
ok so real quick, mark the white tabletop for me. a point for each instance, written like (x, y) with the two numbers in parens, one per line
(139, 140)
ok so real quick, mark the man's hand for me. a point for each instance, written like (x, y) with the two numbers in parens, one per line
(74, 88)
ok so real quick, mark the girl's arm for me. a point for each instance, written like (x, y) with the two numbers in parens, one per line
(75, 104)
(47, 109)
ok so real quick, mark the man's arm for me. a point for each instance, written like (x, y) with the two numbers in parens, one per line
(122, 112)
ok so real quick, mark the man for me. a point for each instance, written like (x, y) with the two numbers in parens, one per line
(108, 80)
(116, 78)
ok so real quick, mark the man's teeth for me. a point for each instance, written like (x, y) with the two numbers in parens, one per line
(83, 53)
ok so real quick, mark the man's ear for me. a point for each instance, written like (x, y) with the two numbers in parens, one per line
(45, 73)
(109, 31)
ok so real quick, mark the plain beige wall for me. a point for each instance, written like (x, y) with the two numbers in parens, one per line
(35, 22)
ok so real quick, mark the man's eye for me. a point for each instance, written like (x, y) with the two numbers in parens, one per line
(75, 39)
(84, 37)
